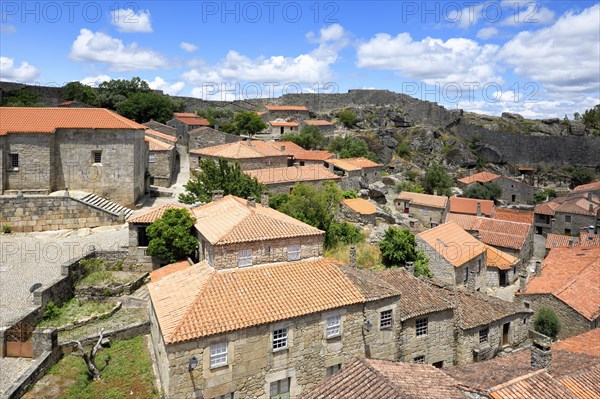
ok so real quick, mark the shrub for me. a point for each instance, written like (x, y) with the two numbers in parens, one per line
(403, 150)
(51, 311)
(541, 197)
(171, 237)
(347, 118)
(437, 180)
(546, 322)
(409, 186)
(344, 232)
(485, 191)
(6, 229)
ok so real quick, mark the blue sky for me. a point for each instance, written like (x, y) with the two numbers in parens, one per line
(539, 59)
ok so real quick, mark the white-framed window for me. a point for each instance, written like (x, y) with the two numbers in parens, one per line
(419, 359)
(422, 326)
(331, 370)
(97, 156)
(280, 339)
(385, 319)
(14, 161)
(245, 257)
(293, 252)
(334, 326)
(280, 389)
(483, 335)
(218, 355)
(151, 158)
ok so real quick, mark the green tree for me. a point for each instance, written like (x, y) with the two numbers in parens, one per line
(76, 91)
(171, 237)
(347, 118)
(591, 119)
(547, 193)
(410, 186)
(276, 201)
(437, 180)
(309, 138)
(581, 176)
(248, 122)
(112, 92)
(398, 247)
(220, 175)
(343, 233)
(546, 322)
(22, 97)
(351, 147)
(142, 107)
(486, 191)
(216, 115)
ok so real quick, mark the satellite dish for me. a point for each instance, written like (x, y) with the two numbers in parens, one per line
(35, 287)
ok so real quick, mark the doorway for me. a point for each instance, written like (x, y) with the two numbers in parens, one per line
(505, 330)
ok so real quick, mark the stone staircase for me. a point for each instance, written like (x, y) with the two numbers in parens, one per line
(106, 205)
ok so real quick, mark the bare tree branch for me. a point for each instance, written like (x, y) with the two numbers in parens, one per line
(90, 360)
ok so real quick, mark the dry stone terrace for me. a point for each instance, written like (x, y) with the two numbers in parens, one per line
(26, 259)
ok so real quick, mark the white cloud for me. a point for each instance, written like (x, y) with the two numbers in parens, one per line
(188, 47)
(100, 47)
(430, 60)
(24, 73)
(128, 20)
(530, 14)
(564, 57)
(95, 81)
(487, 33)
(171, 89)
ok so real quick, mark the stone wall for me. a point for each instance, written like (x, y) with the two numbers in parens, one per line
(207, 137)
(356, 217)
(424, 214)
(41, 213)
(36, 153)
(561, 226)
(163, 169)
(522, 192)
(247, 163)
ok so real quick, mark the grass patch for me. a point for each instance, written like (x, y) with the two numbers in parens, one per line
(368, 256)
(125, 368)
(73, 311)
(96, 272)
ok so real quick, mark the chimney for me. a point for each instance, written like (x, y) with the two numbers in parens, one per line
(330, 167)
(410, 267)
(478, 208)
(470, 172)
(434, 192)
(552, 223)
(541, 355)
(538, 268)
(252, 201)
(352, 256)
(522, 282)
(249, 141)
(591, 207)
(217, 195)
(282, 148)
(264, 200)
(590, 196)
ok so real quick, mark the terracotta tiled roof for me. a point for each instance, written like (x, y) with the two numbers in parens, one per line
(588, 343)
(352, 164)
(573, 276)
(481, 177)
(589, 240)
(513, 215)
(382, 379)
(191, 119)
(199, 301)
(576, 203)
(292, 174)
(289, 146)
(284, 123)
(584, 384)
(418, 297)
(559, 241)
(536, 385)
(432, 201)
(164, 271)
(286, 108)
(500, 259)
(546, 208)
(466, 222)
(588, 187)
(164, 136)
(152, 214)
(231, 220)
(157, 145)
(474, 309)
(468, 206)
(453, 243)
(317, 122)
(47, 120)
(500, 233)
(240, 150)
(360, 205)
(299, 153)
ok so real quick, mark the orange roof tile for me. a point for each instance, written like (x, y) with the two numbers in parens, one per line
(152, 214)
(481, 177)
(240, 150)
(294, 150)
(513, 215)
(575, 203)
(573, 276)
(47, 120)
(317, 122)
(495, 232)
(286, 108)
(432, 201)
(500, 259)
(584, 384)
(453, 243)
(292, 174)
(466, 222)
(286, 146)
(588, 187)
(157, 145)
(536, 385)
(360, 205)
(589, 240)
(161, 135)
(199, 301)
(588, 343)
(231, 220)
(468, 206)
(164, 271)
(558, 240)
(284, 123)
(191, 119)
(352, 164)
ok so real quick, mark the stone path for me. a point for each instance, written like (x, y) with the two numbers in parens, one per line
(11, 368)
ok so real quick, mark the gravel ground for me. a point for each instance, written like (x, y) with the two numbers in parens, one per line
(11, 368)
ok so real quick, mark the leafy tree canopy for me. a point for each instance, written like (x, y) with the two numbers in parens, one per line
(309, 138)
(579, 175)
(22, 97)
(171, 237)
(591, 119)
(547, 193)
(486, 191)
(216, 115)
(351, 147)
(221, 175)
(142, 107)
(112, 92)
(76, 91)
(347, 118)
(248, 122)
(398, 247)
(437, 180)
(547, 322)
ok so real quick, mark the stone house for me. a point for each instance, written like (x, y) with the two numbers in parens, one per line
(354, 171)
(568, 282)
(502, 269)
(251, 154)
(205, 136)
(568, 215)
(594, 188)
(562, 241)
(283, 180)
(235, 232)
(358, 210)
(471, 206)
(298, 156)
(326, 127)
(161, 161)
(286, 112)
(184, 123)
(430, 210)
(455, 256)
(43, 150)
(513, 191)
(162, 128)
(280, 127)
(214, 341)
